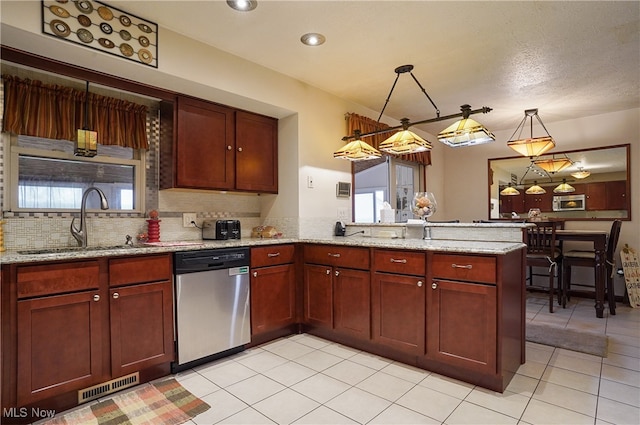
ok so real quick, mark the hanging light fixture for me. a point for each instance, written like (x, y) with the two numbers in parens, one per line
(535, 189)
(509, 191)
(357, 150)
(581, 173)
(86, 140)
(564, 187)
(553, 165)
(465, 132)
(530, 146)
(470, 131)
(404, 141)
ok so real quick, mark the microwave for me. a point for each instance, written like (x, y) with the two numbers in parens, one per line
(569, 203)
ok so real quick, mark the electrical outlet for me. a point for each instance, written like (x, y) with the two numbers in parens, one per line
(187, 218)
(343, 214)
(310, 182)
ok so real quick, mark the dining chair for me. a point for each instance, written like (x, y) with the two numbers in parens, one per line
(543, 251)
(587, 258)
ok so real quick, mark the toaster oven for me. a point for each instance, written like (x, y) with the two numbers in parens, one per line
(220, 229)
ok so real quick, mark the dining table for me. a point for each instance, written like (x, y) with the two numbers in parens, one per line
(599, 240)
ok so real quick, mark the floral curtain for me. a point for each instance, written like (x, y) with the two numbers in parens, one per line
(51, 111)
(366, 125)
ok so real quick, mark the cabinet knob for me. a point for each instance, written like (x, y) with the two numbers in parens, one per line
(116, 295)
(337, 273)
(255, 274)
(229, 147)
(328, 271)
(239, 149)
(434, 285)
(420, 284)
(96, 297)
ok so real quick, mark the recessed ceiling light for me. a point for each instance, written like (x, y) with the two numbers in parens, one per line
(313, 39)
(242, 5)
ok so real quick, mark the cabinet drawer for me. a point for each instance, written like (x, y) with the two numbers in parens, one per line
(49, 279)
(141, 269)
(464, 267)
(400, 262)
(272, 255)
(338, 256)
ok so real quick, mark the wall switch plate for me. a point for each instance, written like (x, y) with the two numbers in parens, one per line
(187, 219)
(343, 214)
(310, 182)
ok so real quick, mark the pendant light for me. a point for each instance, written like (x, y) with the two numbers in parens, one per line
(465, 132)
(564, 187)
(509, 191)
(530, 146)
(404, 142)
(357, 150)
(553, 165)
(535, 189)
(86, 140)
(581, 173)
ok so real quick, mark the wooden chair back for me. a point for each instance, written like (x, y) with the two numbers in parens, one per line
(541, 239)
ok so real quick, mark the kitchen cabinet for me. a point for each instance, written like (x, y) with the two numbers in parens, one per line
(209, 146)
(337, 289)
(596, 196)
(512, 203)
(70, 325)
(475, 323)
(617, 195)
(543, 201)
(398, 299)
(273, 292)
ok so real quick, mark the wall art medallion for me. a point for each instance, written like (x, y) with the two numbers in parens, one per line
(102, 27)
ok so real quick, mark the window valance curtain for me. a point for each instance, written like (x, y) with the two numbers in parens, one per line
(366, 125)
(51, 111)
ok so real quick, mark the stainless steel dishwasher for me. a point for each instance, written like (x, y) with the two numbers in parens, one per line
(211, 304)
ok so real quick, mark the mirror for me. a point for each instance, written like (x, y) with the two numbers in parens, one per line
(602, 195)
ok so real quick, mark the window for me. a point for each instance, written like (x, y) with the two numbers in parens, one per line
(46, 176)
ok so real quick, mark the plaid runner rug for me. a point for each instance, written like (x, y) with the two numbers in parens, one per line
(162, 403)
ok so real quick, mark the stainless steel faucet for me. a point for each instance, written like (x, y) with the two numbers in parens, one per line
(81, 234)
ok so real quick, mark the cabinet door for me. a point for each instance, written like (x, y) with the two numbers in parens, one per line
(318, 295)
(461, 325)
(352, 302)
(397, 309)
(617, 195)
(59, 345)
(141, 326)
(596, 197)
(273, 298)
(256, 153)
(205, 150)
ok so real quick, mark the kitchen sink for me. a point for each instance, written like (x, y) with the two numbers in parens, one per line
(64, 250)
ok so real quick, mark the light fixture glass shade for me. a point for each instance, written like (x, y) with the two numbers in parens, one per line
(404, 142)
(535, 189)
(86, 143)
(581, 174)
(509, 191)
(357, 150)
(564, 187)
(532, 147)
(553, 165)
(465, 132)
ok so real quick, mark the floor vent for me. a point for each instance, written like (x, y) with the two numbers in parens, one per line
(108, 387)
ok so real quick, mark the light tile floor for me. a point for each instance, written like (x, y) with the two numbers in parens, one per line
(307, 380)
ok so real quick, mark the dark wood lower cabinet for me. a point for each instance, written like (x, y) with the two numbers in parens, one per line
(273, 302)
(318, 296)
(352, 303)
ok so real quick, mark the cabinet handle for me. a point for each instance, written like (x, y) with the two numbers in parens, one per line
(434, 285)
(239, 149)
(275, 254)
(328, 271)
(229, 147)
(458, 266)
(255, 274)
(419, 284)
(116, 295)
(337, 273)
(334, 255)
(403, 261)
(96, 297)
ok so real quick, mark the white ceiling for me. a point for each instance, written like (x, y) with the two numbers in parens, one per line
(569, 59)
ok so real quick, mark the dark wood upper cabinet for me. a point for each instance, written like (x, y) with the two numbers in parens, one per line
(256, 166)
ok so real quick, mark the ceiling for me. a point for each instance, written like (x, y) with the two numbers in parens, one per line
(569, 59)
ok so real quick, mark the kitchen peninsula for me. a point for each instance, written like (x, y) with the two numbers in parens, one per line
(455, 307)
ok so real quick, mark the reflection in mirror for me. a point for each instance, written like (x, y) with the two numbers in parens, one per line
(597, 185)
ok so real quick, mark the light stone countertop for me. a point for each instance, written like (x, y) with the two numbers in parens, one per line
(455, 246)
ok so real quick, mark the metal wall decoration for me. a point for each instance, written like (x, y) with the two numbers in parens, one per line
(99, 26)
